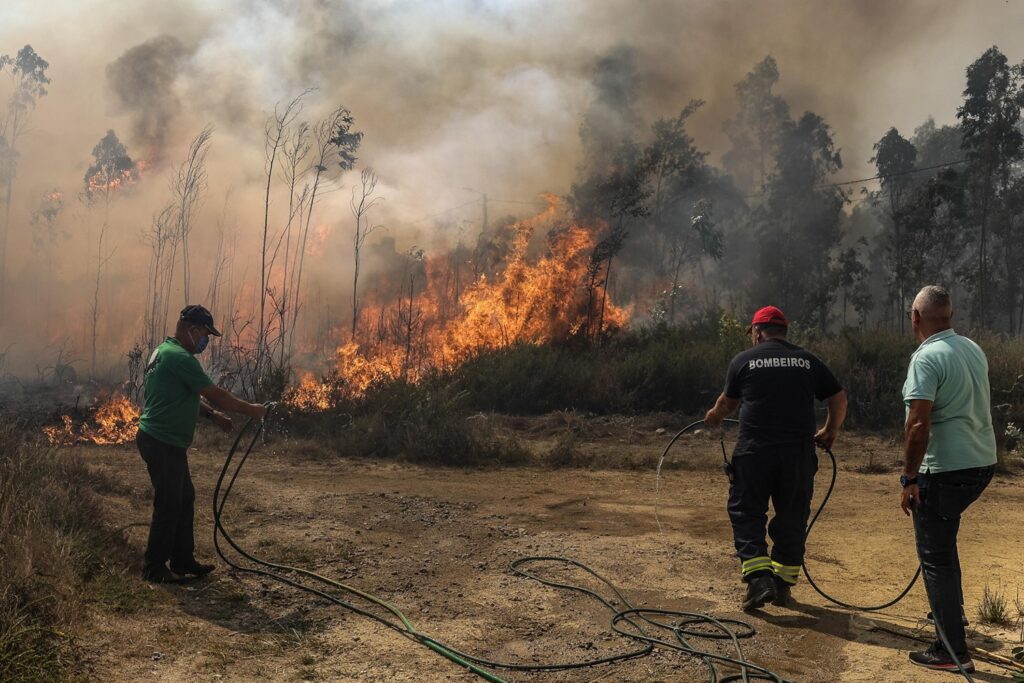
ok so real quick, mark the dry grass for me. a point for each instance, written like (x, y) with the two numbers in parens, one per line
(994, 607)
(58, 556)
(1018, 605)
(874, 464)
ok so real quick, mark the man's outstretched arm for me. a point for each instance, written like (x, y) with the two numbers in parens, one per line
(225, 400)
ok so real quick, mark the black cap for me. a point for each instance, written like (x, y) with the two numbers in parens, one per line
(198, 315)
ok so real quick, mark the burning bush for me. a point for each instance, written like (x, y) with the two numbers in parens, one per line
(681, 369)
(436, 322)
(114, 421)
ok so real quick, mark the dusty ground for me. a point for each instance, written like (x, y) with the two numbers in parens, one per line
(437, 542)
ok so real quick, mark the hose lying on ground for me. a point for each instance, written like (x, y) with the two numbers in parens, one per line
(678, 629)
(807, 533)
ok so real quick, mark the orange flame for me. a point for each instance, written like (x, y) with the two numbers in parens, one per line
(310, 395)
(98, 182)
(531, 300)
(115, 421)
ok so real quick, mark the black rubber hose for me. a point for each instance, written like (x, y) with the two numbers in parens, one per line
(807, 533)
(685, 628)
(810, 525)
(807, 573)
(874, 608)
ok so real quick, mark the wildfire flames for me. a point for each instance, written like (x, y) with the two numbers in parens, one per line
(529, 300)
(310, 394)
(115, 421)
(100, 184)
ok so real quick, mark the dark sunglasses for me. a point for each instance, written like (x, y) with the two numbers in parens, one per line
(910, 315)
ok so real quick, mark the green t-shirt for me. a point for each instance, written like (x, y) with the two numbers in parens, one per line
(173, 381)
(952, 372)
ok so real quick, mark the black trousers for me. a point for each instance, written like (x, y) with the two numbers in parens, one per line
(944, 498)
(170, 531)
(783, 476)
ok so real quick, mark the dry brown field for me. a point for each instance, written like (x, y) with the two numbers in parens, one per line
(437, 542)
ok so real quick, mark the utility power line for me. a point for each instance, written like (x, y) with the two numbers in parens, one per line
(445, 211)
(880, 176)
(518, 201)
(477, 203)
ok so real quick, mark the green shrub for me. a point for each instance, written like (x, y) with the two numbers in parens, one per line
(683, 370)
(426, 423)
(658, 369)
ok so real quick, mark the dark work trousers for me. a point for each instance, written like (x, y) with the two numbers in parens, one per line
(944, 497)
(783, 475)
(170, 531)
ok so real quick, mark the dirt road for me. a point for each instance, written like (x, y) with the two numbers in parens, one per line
(437, 542)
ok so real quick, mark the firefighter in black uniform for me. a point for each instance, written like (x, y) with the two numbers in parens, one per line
(777, 384)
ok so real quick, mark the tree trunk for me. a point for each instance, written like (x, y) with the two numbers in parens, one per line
(3, 246)
(604, 298)
(355, 286)
(302, 255)
(983, 249)
(261, 332)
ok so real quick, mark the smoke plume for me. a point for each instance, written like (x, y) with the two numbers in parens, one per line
(142, 82)
(488, 95)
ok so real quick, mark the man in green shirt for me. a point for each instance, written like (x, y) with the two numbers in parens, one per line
(950, 456)
(177, 390)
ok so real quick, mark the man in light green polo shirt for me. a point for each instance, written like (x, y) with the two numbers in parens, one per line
(950, 455)
(177, 390)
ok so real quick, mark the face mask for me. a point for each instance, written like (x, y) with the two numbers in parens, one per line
(201, 344)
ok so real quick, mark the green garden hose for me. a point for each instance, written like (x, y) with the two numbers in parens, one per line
(633, 623)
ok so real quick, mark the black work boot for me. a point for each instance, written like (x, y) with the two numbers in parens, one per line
(760, 590)
(192, 568)
(158, 574)
(782, 592)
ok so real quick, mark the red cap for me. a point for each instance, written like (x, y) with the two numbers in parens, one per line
(769, 315)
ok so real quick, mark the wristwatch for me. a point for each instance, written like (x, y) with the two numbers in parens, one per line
(906, 481)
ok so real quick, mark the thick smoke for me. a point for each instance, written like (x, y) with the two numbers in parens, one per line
(142, 85)
(482, 94)
(611, 117)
